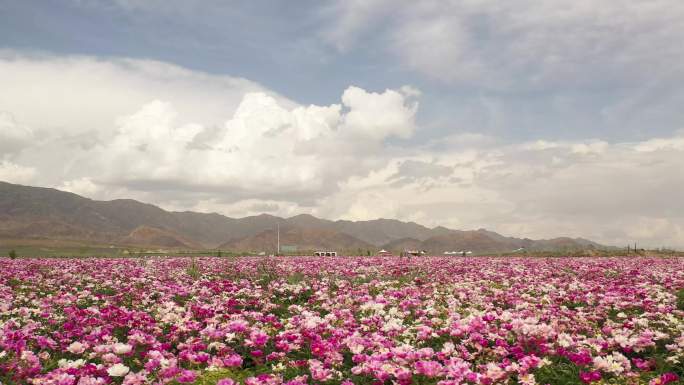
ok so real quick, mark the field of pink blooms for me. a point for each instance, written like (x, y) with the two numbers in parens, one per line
(348, 320)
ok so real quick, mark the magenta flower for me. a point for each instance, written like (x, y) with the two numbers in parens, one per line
(187, 376)
(428, 368)
(589, 377)
(234, 360)
(477, 321)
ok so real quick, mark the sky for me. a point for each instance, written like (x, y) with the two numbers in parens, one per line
(526, 117)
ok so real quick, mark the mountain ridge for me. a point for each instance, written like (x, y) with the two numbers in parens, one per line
(42, 213)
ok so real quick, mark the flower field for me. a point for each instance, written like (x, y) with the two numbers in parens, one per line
(349, 320)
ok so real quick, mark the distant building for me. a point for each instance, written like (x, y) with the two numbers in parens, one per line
(413, 253)
(384, 253)
(325, 253)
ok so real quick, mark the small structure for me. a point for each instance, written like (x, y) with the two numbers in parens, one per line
(325, 253)
(413, 253)
(384, 253)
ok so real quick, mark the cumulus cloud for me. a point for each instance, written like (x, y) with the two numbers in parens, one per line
(14, 173)
(68, 96)
(253, 151)
(613, 193)
(260, 146)
(81, 186)
(13, 136)
(264, 150)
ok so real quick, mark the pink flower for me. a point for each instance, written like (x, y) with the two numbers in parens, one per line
(318, 371)
(589, 377)
(666, 378)
(428, 368)
(187, 376)
(134, 379)
(233, 361)
(257, 338)
(76, 348)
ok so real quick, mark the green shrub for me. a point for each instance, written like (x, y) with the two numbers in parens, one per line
(13, 254)
(193, 270)
(560, 372)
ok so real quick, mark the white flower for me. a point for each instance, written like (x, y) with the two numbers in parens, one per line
(76, 348)
(118, 370)
(448, 348)
(64, 363)
(527, 379)
(120, 348)
(564, 340)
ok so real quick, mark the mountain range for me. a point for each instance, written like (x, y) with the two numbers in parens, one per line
(44, 214)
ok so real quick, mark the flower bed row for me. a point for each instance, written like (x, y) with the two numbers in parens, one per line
(342, 320)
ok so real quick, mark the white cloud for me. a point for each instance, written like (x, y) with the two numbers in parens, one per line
(173, 143)
(265, 149)
(661, 144)
(262, 152)
(14, 173)
(377, 116)
(13, 136)
(81, 186)
(72, 95)
(606, 192)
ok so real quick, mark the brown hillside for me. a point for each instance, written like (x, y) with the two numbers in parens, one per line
(302, 238)
(151, 236)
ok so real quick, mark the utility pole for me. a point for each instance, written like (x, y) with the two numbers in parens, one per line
(278, 251)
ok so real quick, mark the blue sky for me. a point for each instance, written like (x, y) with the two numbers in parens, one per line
(287, 47)
(562, 95)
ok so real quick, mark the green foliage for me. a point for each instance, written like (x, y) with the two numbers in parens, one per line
(267, 272)
(181, 299)
(561, 371)
(212, 377)
(13, 254)
(680, 299)
(295, 278)
(194, 270)
(238, 375)
(104, 291)
(574, 305)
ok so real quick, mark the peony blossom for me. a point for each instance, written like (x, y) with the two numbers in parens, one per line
(118, 370)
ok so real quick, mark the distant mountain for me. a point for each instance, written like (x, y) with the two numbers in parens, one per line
(36, 213)
(303, 238)
(146, 235)
(483, 241)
